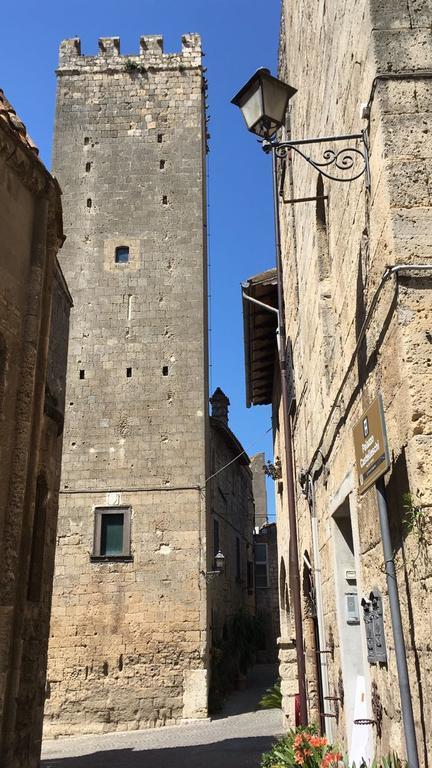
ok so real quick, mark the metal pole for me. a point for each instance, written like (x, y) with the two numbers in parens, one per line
(294, 572)
(399, 643)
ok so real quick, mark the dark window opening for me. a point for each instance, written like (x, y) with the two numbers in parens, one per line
(238, 563)
(261, 573)
(34, 588)
(88, 166)
(89, 202)
(128, 372)
(165, 200)
(159, 138)
(161, 163)
(111, 533)
(122, 254)
(165, 370)
(86, 139)
(82, 374)
(250, 577)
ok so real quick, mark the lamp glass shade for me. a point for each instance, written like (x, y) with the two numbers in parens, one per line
(263, 102)
(220, 561)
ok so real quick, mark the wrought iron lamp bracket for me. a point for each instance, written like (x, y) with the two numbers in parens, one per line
(210, 575)
(351, 160)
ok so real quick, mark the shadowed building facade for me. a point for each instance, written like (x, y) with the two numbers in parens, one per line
(34, 316)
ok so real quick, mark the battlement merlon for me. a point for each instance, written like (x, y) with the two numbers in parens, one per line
(151, 53)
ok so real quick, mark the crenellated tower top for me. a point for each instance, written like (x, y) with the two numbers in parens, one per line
(151, 55)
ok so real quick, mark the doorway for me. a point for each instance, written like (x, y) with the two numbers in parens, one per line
(354, 673)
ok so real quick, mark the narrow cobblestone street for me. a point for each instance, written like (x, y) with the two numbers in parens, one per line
(234, 739)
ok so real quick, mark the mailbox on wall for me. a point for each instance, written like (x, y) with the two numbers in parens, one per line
(352, 612)
(374, 623)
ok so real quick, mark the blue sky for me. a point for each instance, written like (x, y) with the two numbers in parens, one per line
(238, 37)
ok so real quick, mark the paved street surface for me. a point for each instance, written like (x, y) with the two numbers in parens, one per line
(234, 739)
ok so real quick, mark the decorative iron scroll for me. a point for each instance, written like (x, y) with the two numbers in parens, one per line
(351, 161)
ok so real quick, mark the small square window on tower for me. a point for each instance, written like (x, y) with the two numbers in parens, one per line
(112, 526)
(122, 254)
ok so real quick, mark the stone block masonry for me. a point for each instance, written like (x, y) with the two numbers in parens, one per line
(128, 646)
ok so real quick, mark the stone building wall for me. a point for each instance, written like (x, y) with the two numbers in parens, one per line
(232, 512)
(34, 310)
(129, 151)
(335, 256)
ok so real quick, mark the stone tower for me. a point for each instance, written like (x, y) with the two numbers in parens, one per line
(129, 625)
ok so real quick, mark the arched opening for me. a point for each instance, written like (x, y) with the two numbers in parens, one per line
(326, 298)
(322, 231)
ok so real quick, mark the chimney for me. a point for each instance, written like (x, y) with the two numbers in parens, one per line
(219, 406)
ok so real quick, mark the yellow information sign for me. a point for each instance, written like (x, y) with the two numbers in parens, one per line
(371, 447)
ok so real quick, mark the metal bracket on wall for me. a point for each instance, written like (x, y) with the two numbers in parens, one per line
(349, 163)
(303, 199)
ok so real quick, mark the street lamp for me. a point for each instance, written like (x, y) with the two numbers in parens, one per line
(220, 567)
(263, 101)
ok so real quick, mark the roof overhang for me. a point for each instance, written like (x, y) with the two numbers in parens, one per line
(260, 342)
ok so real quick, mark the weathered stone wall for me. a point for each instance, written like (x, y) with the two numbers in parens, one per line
(30, 439)
(335, 255)
(231, 500)
(129, 149)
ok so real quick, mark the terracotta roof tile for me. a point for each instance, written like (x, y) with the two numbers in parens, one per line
(10, 117)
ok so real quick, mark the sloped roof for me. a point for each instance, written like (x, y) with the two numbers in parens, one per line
(260, 337)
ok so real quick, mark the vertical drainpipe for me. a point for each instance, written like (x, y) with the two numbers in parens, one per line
(294, 571)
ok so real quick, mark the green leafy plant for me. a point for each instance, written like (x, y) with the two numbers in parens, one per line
(391, 761)
(133, 67)
(302, 747)
(416, 517)
(273, 470)
(272, 698)
(233, 654)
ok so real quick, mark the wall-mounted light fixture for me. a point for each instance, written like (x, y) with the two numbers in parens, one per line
(220, 567)
(263, 102)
